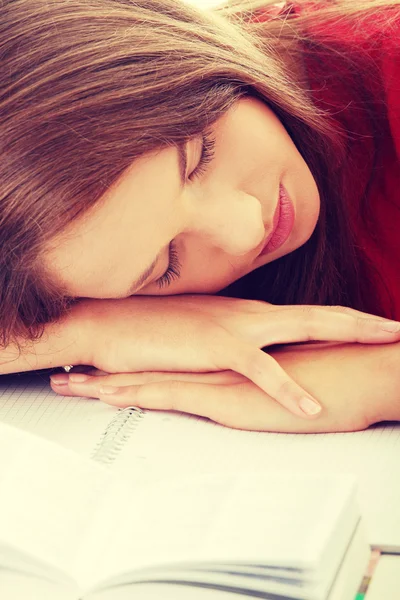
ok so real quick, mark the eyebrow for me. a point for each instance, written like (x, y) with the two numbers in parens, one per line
(182, 164)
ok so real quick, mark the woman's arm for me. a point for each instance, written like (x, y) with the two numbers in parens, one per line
(356, 384)
(198, 334)
(63, 342)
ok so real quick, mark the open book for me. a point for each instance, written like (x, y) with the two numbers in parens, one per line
(90, 528)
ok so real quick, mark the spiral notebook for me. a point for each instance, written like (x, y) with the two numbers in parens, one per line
(152, 446)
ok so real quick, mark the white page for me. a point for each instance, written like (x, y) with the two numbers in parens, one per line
(21, 586)
(291, 520)
(159, 592)
(28, 402)
(172, 444)
(48, 496)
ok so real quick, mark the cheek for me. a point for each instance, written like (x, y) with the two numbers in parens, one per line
(209, 267)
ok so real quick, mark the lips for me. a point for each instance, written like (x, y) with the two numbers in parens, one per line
(282, 223)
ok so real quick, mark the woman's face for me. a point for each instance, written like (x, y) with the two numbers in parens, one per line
(218, 221)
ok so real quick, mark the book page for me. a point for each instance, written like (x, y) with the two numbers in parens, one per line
(157, 591)
(15, 585)
(48, 496)
(167, 445)
(282, 521)
(28, 402)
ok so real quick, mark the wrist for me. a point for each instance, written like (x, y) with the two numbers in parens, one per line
(389, 365)
(78, 329)
(357, 384)
(63, 342)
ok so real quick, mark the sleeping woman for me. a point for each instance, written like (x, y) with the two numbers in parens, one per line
(202, 206)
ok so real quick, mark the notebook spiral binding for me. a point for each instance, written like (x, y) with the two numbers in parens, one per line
(116, 434)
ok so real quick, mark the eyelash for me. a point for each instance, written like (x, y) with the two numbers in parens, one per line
(174, 267)
(207, 155)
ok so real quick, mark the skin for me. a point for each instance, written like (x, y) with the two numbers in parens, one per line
(218, 222)
(357, 385)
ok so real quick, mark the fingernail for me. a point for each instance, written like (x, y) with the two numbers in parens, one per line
(59, 378)
(78, 377)
(109, 389)
(309, 406)
(391, 326)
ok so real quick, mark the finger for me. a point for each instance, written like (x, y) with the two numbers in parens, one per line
(327, 323)
(80, 384)
(268, 375)
(242, 406)
(89, 386)
(219, 403)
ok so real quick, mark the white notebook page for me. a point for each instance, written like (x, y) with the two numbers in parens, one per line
(168, 445)
(28, 402)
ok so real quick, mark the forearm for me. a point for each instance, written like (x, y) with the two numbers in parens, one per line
(356, 384)
(63, 342)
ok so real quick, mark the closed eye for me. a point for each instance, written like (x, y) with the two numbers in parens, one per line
(174, 268)
(207, 155)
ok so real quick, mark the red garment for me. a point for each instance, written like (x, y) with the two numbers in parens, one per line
(380, 39)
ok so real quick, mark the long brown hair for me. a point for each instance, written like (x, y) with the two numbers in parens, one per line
(88, 86)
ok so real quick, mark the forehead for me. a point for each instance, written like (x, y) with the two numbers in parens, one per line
(124, 230)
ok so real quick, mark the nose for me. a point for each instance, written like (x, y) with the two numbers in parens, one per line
(229, 219)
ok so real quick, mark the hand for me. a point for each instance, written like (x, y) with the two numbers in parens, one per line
(201, 333)
(357, 385)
